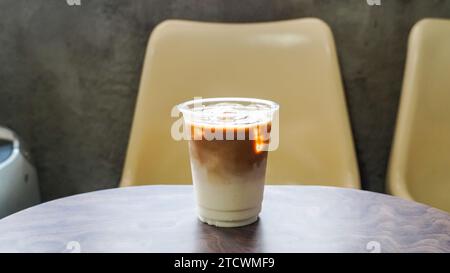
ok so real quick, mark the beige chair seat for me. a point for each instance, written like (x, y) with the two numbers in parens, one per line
(293, 63)
(420, 160)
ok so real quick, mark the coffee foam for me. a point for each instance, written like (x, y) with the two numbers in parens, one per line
(229, 115)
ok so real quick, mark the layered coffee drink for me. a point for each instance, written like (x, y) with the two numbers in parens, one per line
(228, 147)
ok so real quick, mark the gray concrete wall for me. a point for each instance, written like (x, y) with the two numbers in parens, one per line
(69, 75)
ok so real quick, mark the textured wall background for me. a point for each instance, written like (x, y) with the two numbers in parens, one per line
(69, 75)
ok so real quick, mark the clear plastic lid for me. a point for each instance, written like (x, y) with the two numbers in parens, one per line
(228, 112)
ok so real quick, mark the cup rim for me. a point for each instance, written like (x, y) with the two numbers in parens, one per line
(184, 107)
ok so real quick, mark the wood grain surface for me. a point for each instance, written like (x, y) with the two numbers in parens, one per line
(163, 219)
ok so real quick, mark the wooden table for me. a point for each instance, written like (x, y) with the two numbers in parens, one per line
(163, 219)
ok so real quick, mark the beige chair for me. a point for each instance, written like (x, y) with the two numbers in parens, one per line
(291, 62)
(420, 160)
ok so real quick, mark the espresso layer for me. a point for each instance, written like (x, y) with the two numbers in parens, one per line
(230, 158)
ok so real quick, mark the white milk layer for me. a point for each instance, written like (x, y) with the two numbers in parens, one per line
(228, 200)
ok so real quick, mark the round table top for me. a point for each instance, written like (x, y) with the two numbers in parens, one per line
(163, 219)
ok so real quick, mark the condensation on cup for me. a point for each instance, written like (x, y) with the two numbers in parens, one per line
(229, 139)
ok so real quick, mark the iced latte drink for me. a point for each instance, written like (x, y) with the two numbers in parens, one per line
(228, 146)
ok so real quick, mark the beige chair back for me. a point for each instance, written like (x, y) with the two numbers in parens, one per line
(419, 167)
(293, 63)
